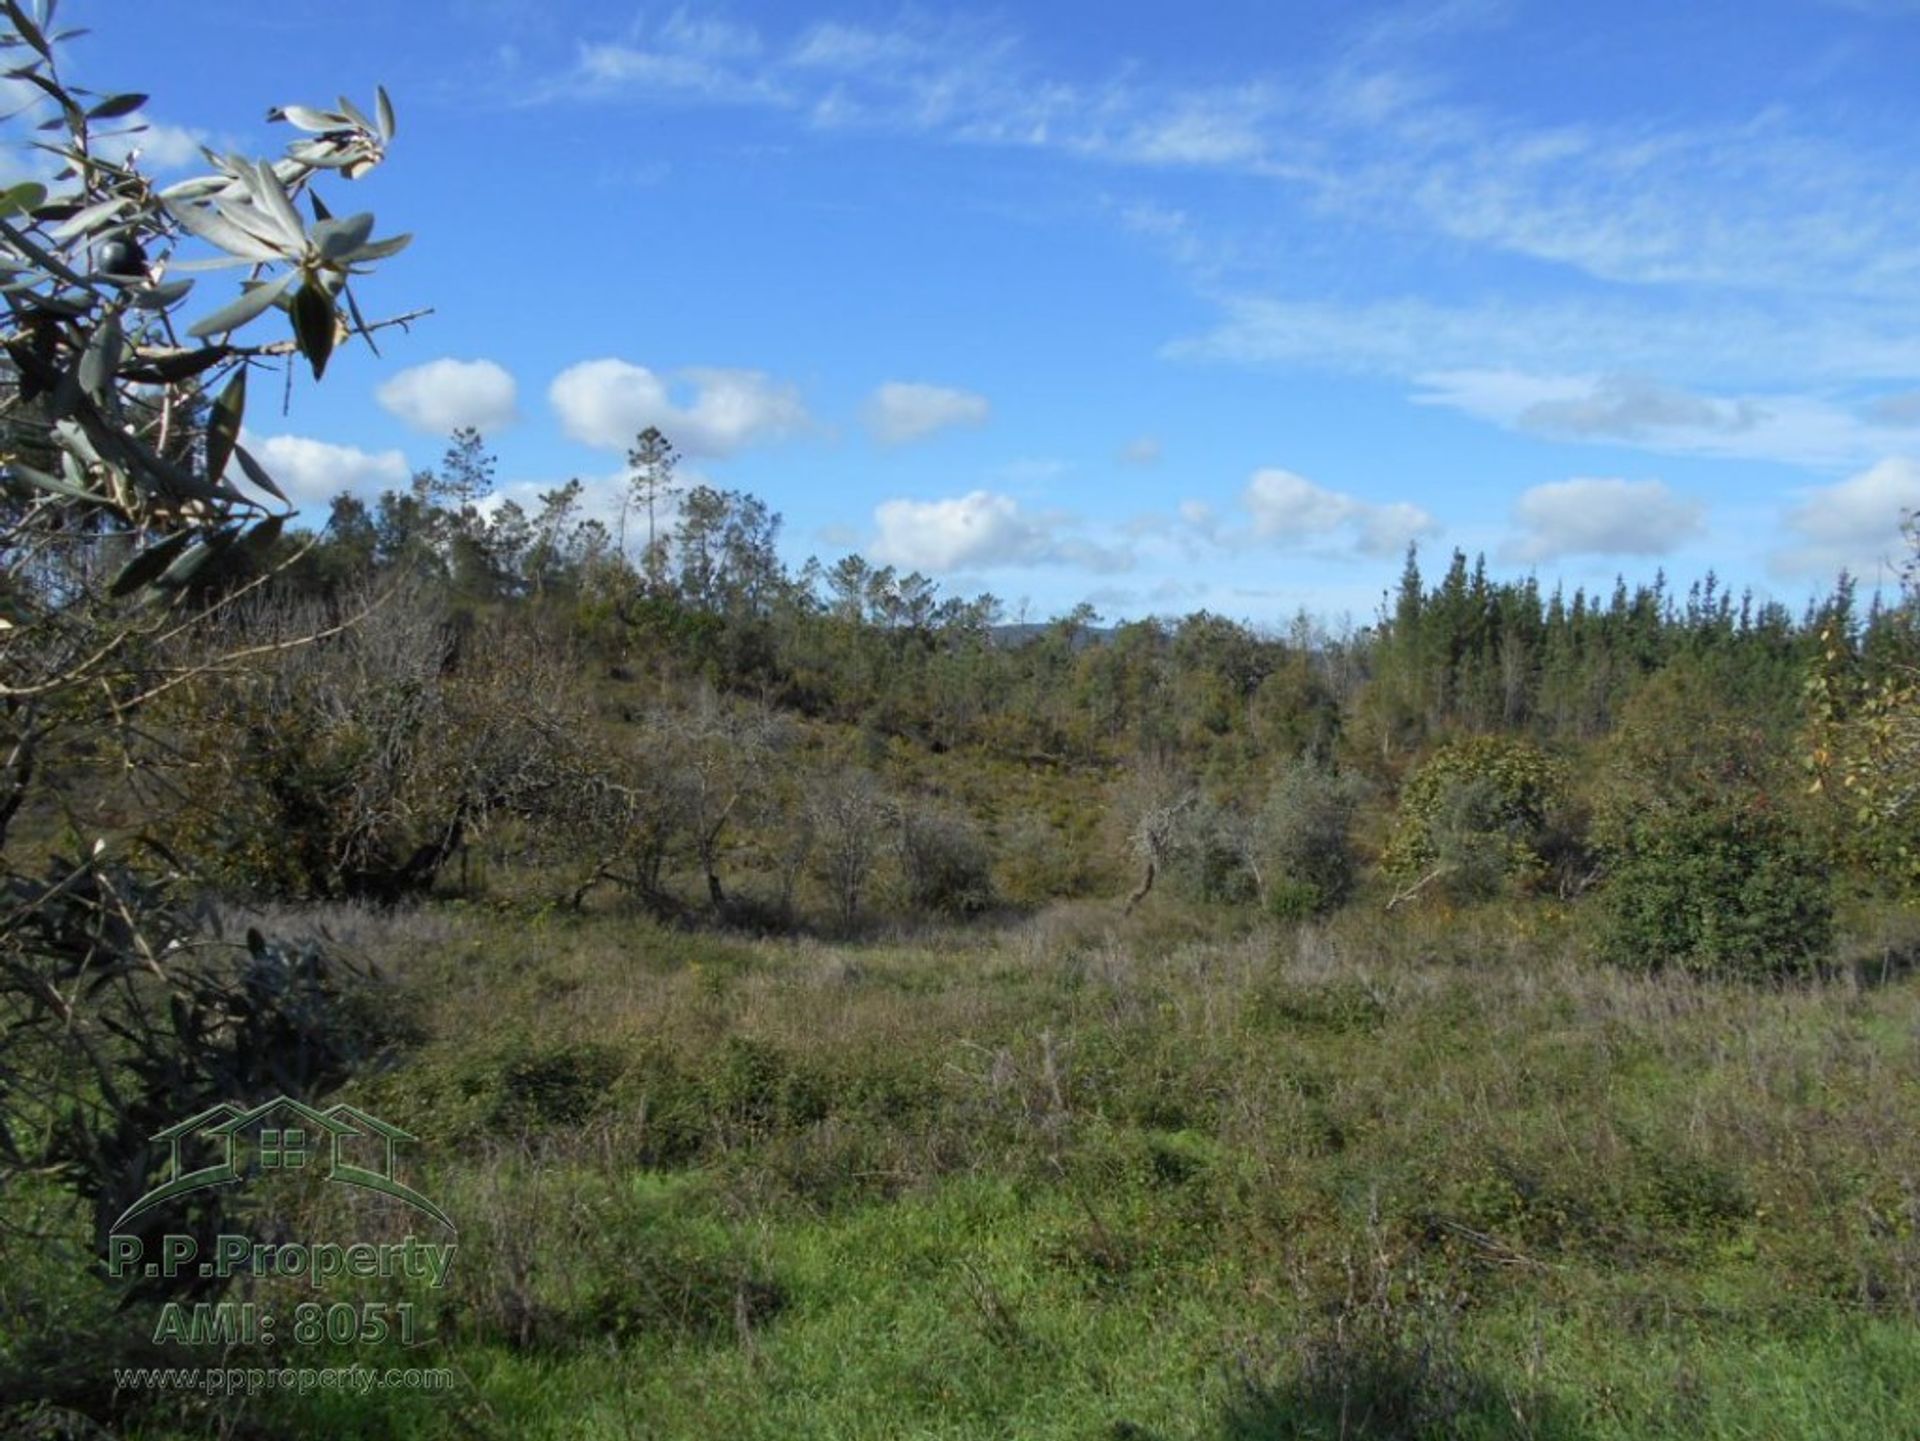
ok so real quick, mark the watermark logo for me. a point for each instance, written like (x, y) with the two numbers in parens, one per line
(354, 1147)
(228, 1145)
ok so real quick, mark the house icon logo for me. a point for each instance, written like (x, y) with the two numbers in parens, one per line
(352, 1146)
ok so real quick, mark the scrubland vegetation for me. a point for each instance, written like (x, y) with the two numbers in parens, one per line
(1512, 1041)
(829, 1011)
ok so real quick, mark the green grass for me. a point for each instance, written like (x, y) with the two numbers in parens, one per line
(1442, 1176)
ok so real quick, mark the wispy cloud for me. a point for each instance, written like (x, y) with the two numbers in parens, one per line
(1901, 410)
(1800, 429)
(1730, 284)
(1761, 199)
(906, 410)
(1726, 342)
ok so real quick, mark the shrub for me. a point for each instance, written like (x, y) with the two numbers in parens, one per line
(1209, 857)
(562, 1086)
(1706, 868)
(1301, 839)
(1735, 888)
(238, 1024)
(1475, 814)
(943, 861)
(1036, 861)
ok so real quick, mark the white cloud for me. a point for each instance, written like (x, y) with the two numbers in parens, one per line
(1290, 508)
(1601, 516)
(1853, 524)
(312, 472)
(161, 147)
(607, 402)
(1634, 410)
(982, 529)
(1143, 451)
(167, 147)
(1286, 505)
(901, 411)
(1389, 529)
(444, 395)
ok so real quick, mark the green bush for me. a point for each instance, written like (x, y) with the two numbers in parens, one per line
(1291, 900)
(1303, 842)
(558, 1086)
(1476, 812)
(1208, 860)
(945, 864)
(1036, 862)
(1730, 889)
(1707, 867)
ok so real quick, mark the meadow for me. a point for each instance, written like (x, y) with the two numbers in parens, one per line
(1081, 1175)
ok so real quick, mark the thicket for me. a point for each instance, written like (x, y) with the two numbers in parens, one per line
(714, 733)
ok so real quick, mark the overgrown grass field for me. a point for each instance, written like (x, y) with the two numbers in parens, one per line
(1438, 1174)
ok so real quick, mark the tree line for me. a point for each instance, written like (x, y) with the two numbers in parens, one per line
(664, 723)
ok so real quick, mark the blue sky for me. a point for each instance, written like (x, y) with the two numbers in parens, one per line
(1165, 307)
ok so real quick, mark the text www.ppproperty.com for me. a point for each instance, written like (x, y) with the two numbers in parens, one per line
(303, 1380)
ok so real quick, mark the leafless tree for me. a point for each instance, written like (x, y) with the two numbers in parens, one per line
(1154, 808)
(848, 814)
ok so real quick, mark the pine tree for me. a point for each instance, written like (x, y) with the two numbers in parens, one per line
(650, 481)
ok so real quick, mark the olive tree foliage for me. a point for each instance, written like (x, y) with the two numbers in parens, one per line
(680, 789)
(727, 751)
(129, 510)
(1215, 854)
(1288, 849)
